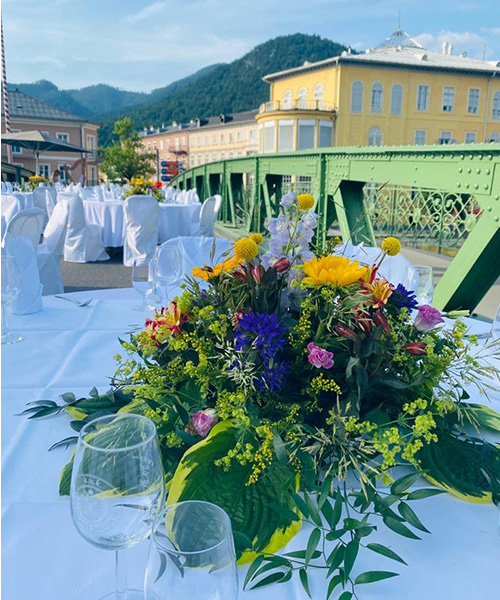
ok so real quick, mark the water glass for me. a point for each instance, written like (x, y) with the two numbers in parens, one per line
(117, 487)
(11, 288)
(168, 267)
(141, 282)
(420, 280)
(495, 328)
(191, 554)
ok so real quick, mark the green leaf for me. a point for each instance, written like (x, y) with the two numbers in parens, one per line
(68, 397)
(325, 491)
(372, 576)
(410, 516)
(405, 482)
(300, 504)
(302, 554)
(278, 577)
(66, 442)
(313, 511)
(335, 535)
(279, 447)
(65, 478)
(335, 558)
(351, 552)
(304, 581)
(312, 544)
(484, 416)
(399, 528)
(379, 549)
(337, 511)
(252, 569)
(334, 582)
(345, 596)
(424, 493)
(285, 512)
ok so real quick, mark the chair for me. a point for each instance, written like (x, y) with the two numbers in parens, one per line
(29, 300)
(27, 222)
(207, 218)
(142, 216)
(50, 199)
(50, 251)
(217, 205)
(10, 206)
(40, 201)
(8, 187)
(83, 243)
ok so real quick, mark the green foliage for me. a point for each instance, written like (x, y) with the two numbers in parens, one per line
(124, 160)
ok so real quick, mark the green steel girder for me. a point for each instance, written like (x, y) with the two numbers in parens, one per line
(338, 176)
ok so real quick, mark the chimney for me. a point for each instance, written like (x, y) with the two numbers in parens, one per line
(450, 49)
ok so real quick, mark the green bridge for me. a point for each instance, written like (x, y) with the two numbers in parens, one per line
(443, 197)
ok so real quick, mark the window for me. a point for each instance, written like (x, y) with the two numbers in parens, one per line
(396, 99)
(183, 141)
(303, 98)
(231, 138)
(318, 95)
(448, 98)
(423, 97)
(473, 104)
(222, 138)
(64, 137)
(285, 135)
(231, 154)
(92, 176)
(269, 128)
(154, 145)
(214, 156)
(16, 149)
(149, 148)
(206, 157)
(325, 134)
(420, 138)
(168, 143)
(239, 153)
(495, 136)
(206, 140)
(239, 136)
(161, 144)
(306, 134)
(470, 137)
(445, 137)
(252, 136)
(62, 170)
(176, 143)
(376, 98)
(374, 137)
(214, 140)
(222, 155)
(357, 97)
(495, 109)
(44, 170)
(287, 100)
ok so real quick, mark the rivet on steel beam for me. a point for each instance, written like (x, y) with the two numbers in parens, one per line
(488, 171)
(497, 197)
(476, 186)
(460, 170)
(497, 219)
(480, 157)
(485, 186)
(459, 184)
(478, 171)
(489, 209)
(469, 170)
(462, 157)
(467, 185)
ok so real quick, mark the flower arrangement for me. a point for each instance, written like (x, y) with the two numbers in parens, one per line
(287, 385)
(36, 180)
(144, 187)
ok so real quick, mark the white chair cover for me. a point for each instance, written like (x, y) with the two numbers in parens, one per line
(8, 187)
(10, 206)
(393, 268)
(217, 205)
(28, 223)
(169, 194)
(50, 199)
(142, 215)
(207, 218)
(195, 250)
(99, 194)
(87, 193)
(4, 188)
(4, 226)
(83, 242)
(29, 300)
(40, 201)
(50, 251)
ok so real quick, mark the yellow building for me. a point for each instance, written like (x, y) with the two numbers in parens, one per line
(398, 93)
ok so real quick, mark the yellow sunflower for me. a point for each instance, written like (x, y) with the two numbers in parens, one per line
(334, 270)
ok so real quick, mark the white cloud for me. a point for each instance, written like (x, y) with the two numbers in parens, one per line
(149, 11)
(463, 41)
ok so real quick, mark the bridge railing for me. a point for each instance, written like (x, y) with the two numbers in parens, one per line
(439, 197)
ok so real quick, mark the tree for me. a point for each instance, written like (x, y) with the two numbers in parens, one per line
(124, 160)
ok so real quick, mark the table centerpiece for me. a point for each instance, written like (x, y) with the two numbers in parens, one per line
(139, 186)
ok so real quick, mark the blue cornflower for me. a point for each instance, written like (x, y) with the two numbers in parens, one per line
(262, 331)
(403, 298)
(272, 378)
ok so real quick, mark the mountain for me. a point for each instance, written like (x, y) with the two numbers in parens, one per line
(232, 87)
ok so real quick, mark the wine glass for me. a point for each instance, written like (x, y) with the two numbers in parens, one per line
(141, 282)
(191, 554)
(495, 328)
(117, 487)
(420, 278)
(168, 267)
(11, 288)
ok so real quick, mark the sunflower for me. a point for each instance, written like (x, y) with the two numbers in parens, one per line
(334, 270)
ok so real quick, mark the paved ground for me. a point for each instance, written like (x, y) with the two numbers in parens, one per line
(112, 274)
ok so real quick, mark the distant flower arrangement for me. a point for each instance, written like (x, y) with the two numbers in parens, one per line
(36, 180)
(144, 187)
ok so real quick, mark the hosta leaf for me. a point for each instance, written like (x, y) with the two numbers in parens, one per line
(248, 506)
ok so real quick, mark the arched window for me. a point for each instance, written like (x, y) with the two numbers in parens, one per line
(357, 97)
(374, 137)
(376, 99)
(396, 99)
(318, 95)
(303, 97)
(495, 110)
(287, 100)
(495, 136)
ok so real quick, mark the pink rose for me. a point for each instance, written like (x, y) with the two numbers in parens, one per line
(318, 357)
(203, 421)
(427, 318)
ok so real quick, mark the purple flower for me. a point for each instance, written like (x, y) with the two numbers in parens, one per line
(262, 331)
(203, 421)
(288, 199)
(310, 220)
(272, 378)
(427, 318)
(403, 298)
(318, 357)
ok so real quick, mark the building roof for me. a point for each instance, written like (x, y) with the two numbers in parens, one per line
(399, 50)
(23, 106)
(208, 123)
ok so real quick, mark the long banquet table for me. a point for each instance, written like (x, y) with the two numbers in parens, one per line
(175, 220)
(66, 348)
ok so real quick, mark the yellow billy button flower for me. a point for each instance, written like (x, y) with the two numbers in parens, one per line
(246, 249)
(207, 272)
(391, 246)
(334, 270)
(257, 238)
(305, 201)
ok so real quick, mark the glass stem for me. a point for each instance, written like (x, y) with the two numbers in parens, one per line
(5, 328)
(121, 575)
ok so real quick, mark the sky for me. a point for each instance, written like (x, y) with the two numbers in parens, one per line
(144, 44)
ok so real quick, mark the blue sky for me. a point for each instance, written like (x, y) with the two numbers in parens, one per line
(143, 44)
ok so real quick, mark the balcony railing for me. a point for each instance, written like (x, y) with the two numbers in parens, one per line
(279, 105)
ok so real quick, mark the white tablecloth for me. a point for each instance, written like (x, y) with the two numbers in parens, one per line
(67, 348)
(175, 220)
